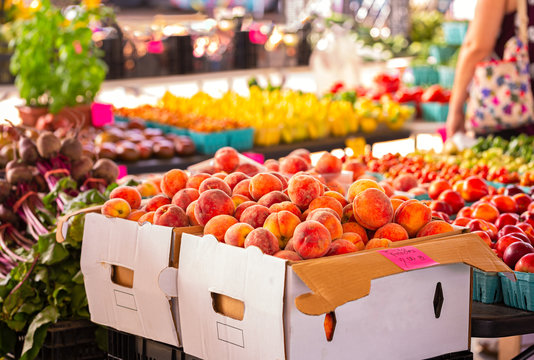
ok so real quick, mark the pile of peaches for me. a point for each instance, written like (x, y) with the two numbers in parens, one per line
(293, 210)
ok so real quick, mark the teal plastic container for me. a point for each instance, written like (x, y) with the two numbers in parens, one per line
(209, 143)
(120, 119)
(454, 32)
(241, 139)
(519, 294)
(435, 112)
(487, 287)
(446, 76)
(442, 54)
(425, 75)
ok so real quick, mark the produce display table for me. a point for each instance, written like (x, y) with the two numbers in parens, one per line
(497, 320)
(276, 151)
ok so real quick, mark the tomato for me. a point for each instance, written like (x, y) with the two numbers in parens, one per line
(433, 94)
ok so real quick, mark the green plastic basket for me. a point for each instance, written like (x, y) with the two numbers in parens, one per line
(241, 139)
(446, 76)
(519, 294)
(487, 287)
(435, 112)
(209, 143)
(454, 32)
(442, 54)
(119, 118)
(425, 75)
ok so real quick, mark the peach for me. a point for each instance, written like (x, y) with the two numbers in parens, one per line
(185, 197)
(396, 203)
(400, 197)
(435, 227)
(341, 246)
(302, 189)
(235, 178)
(388, 188)
(288, 255)
(272, 165)
(354, 227)
(355, 239)
(304, 215)
(474, 188)
(214, 183)
(348, 214)
(282, 224)
(248, 169)
(465, 212)
(264, 240)
(128, 193)
(328, 164)
(136, 214)
(172, 181)
(461, 221)
(255, 215)
(242, 189)
(157, 201)
(412, 215)
(358, 169)
(441, 206)
(239, 199)
(326, 202)
(437, 187)
(218, 225)
(372, 209)
(190, 212)
(148, 217)
(293, 164)
(289, 245)
(392, 231)
(242, 207)
(171, 215)
(336, 188)
(311, 239)
(329, 220)
(117, 207)
(286, 205)
(262, 184)
(195, 180)
(236, 234)
(377, 243)
(280, 177)
(147, 189)
(458, 186)
(453, 198)
(441, 215)
(485, 211)
(226, 159)
(274, 197)
(302, 153)
(156, 180)
(405, 182)
(212, 203)
(503, 203)
(360, 185)
(220, 175)
(522, 201)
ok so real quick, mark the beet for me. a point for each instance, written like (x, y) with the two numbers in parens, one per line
(5, 190)
(7, 215)
(19, 174)
(28, 151)
(71, 148)
(106, 169)
(81, 168)
(48, 145)
(13, 164)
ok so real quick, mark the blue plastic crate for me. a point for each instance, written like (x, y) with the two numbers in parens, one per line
(209, 143)
(487, 287)
(241, 139)
(454, 32)
(446, 76)
(442, 54)
(424, 75)
(435, 112)
(519, 294)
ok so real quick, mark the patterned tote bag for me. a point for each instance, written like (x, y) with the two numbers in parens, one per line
(500, 97)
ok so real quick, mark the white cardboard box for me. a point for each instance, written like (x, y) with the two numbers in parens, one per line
(382, 311)
(129, 276)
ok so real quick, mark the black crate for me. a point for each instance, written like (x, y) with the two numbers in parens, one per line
(122, 346)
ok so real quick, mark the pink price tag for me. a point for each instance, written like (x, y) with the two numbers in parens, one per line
(259, 158)
(123, 171)
(102, 114)
(408, 258)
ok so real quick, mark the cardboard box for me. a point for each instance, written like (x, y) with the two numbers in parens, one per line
(130, 276)
(240, 304)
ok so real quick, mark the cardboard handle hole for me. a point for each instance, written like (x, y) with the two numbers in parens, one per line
(228, 306)
(122, 276)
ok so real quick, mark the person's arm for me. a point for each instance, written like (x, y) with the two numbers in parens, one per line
(479, 43)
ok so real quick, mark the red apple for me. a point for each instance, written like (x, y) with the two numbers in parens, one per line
(441, 206)
(437, 187)
(522, 202)
(504, 242)
(474, 188)
(511, 190)
(461, 221)
(514, 252)
(506, 219)
(528, 218)
(466, 212)
(453, 198)
(509, 229)
(528, 229)
(525, 264)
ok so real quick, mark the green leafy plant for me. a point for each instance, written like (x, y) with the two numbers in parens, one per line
(55, 61)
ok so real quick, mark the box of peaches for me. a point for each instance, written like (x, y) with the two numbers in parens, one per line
(281, 264)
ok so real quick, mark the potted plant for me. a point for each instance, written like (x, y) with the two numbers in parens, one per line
(55, 61)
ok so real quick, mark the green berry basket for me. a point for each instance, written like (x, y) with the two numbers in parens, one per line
(487, 287)
(454, 32)
(209, 143)
(241, 139)
(424, 75)
(446, 76)
(519, 294)
(442, 53)
(435, 111)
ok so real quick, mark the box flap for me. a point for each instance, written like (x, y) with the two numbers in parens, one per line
(334, 281)
(140, 307)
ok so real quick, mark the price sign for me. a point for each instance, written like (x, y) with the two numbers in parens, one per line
(102, 114)
(123, 171)
(408, 258)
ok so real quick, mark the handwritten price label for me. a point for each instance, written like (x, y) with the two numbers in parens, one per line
(408, 258)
